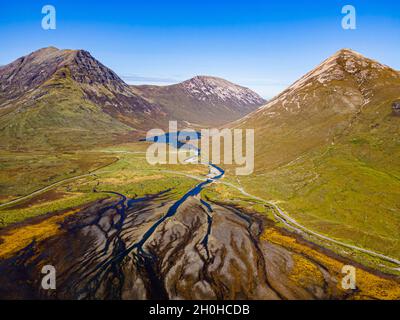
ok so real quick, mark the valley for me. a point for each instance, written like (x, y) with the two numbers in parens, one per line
(78, 193)
(94, 242)
(121, 247)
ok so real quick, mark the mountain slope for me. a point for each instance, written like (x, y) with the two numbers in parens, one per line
(66, 98)
(319, 108)
(203, 100)
(329, 148)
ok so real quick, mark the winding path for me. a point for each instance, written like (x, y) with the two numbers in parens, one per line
(279, 212)
(294, 224)
(44, 189)
(297, 226)
(56, 184)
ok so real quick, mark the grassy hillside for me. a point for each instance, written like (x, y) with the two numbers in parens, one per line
(123, 169)
(328, 150)
(56, 115)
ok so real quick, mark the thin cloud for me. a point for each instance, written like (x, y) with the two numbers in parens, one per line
(145, 79)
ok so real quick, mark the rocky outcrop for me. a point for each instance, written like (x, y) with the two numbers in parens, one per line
(29, 72)
(396, 108)
(218, 90)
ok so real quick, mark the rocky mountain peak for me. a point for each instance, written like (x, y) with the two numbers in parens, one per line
(347, 52)
(34, 69)
(30, 71)
(87, 70)
(345, 64)
(204, 88)
(347, 77)
(208, 80)
(43, 52)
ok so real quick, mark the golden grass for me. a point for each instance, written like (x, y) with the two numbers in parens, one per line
(305, 272)
(369, 286)
(19, 238)
(120, 179)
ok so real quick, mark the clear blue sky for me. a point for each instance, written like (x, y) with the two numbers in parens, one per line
(265, 45)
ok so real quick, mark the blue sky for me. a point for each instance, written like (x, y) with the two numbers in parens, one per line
(265, 45)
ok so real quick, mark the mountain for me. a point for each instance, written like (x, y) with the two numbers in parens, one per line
(203, 100)
(324, 105)
(99, 84)
(67, 99)
(328, 148)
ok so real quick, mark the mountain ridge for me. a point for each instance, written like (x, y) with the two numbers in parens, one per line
(52, 90)
(203, 99)
(321, 73)
(328, 148)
